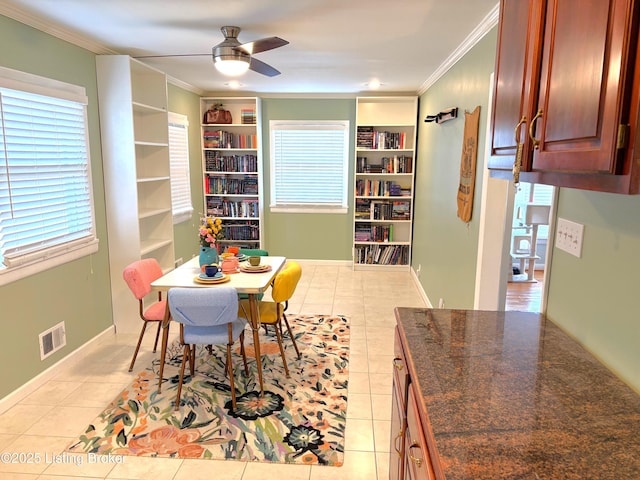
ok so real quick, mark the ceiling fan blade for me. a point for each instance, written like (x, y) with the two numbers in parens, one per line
(263, 45)
(263, 68)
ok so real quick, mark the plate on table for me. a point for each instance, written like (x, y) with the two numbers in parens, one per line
(248, 268)
(241, 257)
(218, 278)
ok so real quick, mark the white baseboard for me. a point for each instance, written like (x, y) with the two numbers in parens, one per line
(36, 382)
(423, 294)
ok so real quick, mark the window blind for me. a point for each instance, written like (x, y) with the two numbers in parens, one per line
(45, 186)
(309, 164)
(179, 167)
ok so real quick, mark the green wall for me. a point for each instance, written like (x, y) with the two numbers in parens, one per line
(77, 292)
(299, 235)
(444, 247)
(185, 233)
(594, 297)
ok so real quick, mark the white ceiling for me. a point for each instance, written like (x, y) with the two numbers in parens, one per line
(336, 46)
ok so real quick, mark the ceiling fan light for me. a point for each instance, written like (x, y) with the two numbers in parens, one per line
(231, 67)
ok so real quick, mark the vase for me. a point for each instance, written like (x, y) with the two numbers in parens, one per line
(208, 255)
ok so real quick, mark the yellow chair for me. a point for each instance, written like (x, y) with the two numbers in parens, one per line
(272, 312)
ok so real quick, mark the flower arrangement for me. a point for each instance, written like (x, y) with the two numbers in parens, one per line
(210, 231)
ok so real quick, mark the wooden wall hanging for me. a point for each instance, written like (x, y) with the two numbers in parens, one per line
(468, 164)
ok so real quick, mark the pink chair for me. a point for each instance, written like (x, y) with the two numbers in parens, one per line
(139, 276)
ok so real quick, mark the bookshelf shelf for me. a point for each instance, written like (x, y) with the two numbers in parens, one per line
(232, 166)
(383, 181)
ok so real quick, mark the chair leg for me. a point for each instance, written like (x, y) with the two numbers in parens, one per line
(278, 328)
(192, 360)
(230, 371)
(244, 355)
(135, 353)
(185, 354)
(155, 344)
(293, 340)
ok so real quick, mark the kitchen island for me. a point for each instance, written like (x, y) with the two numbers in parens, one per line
(498, 395)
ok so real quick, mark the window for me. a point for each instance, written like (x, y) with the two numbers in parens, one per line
(179, 167)
(309, 166)
(46, 204)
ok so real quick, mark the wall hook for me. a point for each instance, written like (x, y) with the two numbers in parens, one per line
(443, 116)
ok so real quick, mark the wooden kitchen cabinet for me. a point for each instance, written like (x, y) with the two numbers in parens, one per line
(410, 457)
(565, 90)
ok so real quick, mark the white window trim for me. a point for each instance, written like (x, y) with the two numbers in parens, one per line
(313, 209)
(57, 255)
(185, 213)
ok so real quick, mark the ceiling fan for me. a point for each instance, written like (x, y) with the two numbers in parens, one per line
(232, 58)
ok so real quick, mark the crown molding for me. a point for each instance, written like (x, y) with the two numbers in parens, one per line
(490, 21)
(41, 24)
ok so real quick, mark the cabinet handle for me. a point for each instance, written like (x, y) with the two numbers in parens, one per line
(395, 442)
(534, 140)
(397, 363)
(517, 163)
(417, 461)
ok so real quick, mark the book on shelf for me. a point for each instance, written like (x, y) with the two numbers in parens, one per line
(248, 116)
(364, 137)
(400, 210)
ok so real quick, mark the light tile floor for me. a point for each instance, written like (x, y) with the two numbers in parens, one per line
(46, 421)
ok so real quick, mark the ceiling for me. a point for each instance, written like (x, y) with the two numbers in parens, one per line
(336, 46)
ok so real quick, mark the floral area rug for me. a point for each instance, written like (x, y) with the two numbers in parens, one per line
(300, 419)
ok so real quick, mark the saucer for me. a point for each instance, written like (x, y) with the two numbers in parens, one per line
(255, 269)
(211, 280)
(217, 276)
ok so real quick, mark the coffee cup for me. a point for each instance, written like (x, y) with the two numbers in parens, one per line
(254, 261)
(211, 270)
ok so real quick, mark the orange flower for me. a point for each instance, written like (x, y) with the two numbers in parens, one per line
(168, 440)
(309, 458)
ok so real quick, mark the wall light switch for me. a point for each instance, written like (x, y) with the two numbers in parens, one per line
(569, 236)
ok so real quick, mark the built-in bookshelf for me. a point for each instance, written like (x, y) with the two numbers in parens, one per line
(135, 151)
(232, 169)
(384, 179)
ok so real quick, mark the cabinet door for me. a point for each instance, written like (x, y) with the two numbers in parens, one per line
(398, 421)
(583, 63)
(516, 78)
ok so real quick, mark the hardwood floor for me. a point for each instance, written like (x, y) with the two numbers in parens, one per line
(524, 296)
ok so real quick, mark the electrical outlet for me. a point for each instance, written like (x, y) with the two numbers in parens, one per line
(418, 269)
(441, 303)
(569, 237)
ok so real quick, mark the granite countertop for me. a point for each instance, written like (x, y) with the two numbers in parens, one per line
(509, 395)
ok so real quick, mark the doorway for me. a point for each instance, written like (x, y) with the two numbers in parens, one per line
(532, 207)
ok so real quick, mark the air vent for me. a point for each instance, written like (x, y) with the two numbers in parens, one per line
(52, 340)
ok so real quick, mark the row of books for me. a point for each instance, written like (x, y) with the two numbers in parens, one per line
(222, 139)
(382, 210)
(222, 185)
(241, 231)
(248, 116)
(373, 233)
(395, 164)
(218, 207)
(382, 254)
(380, 188)
(369, 138)
(214, 162)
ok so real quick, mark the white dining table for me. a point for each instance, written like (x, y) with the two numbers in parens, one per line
(250, 283)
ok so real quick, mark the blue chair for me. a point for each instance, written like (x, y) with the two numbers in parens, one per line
(207, 316)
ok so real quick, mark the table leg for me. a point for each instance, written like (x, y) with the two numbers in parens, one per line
(253, 308)
(165, 340)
